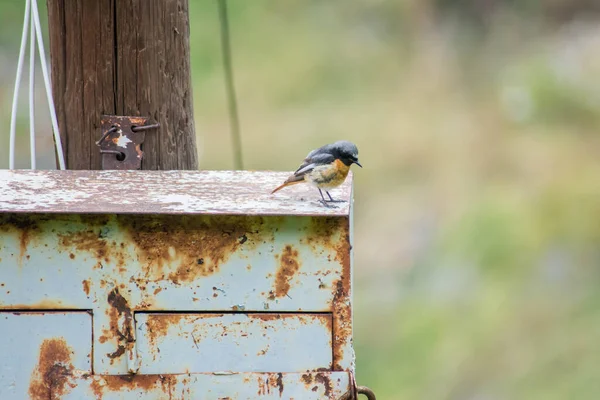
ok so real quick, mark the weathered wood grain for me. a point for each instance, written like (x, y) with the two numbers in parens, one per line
(123, 57)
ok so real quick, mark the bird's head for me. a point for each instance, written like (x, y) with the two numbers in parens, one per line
(346, 151)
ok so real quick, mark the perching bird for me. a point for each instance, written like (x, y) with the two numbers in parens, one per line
(325, 167)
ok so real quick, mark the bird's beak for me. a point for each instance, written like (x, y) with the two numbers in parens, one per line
(357, 163)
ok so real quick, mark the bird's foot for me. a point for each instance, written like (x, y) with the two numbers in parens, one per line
(331, 200)
(327, 204)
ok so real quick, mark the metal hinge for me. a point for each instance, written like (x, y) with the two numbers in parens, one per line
(121, 141)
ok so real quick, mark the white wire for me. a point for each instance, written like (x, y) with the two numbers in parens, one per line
(38, 31)
(32, 94)
(13, 116)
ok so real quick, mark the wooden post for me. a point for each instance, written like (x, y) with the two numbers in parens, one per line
(123, 57)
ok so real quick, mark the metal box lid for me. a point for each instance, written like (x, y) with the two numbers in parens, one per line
(163, 192)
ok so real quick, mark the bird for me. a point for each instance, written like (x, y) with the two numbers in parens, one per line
(325, 168)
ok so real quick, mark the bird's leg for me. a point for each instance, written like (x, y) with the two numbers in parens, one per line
(321, 193)
(331, 200)
(323, 201)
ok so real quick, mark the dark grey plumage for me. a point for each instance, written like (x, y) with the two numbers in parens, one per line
(343, 150)
(325, 167)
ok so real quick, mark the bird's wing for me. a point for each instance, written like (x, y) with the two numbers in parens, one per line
(312, 160)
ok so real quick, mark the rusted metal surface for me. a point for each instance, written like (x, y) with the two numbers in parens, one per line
(222, 386)
(40, 352)
(155, 275)
(163, 192)
(60, 353)
(248, 342)
(117, 265)
(121, 141)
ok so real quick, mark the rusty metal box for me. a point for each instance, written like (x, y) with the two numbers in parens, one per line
(172, 284)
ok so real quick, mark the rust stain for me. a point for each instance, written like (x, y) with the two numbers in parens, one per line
(25, 225)
(272, 382)
(330, 236)
(117, 353)
(121, 324)
(270, 316)
(342, 255)
(118, 302)
(94, 219)
(325, 381)
(137, 120)
(29, 227)
(342, 310)
(185, 248)
(50, 379)
(23, 242)
(307, 379)
(280, 383)
(288, 266)
(263, 351)
(268, 382)
(138, 150)
(141, 283)
(158, 325)
(40, 305)
(342, 323)
(86, 286)
(329, 323)
(263, 386)
(84, 241)
(93, 240)
(322, 232)
(143, 383)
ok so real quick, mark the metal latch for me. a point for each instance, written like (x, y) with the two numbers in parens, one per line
(121, 141)
(353, 393)
(359, 390)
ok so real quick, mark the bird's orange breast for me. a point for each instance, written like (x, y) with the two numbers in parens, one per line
(329, 176)
(342, 169)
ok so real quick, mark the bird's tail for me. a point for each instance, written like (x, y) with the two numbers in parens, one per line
(292, 180)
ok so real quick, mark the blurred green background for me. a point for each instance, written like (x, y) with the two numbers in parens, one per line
(477, 215)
